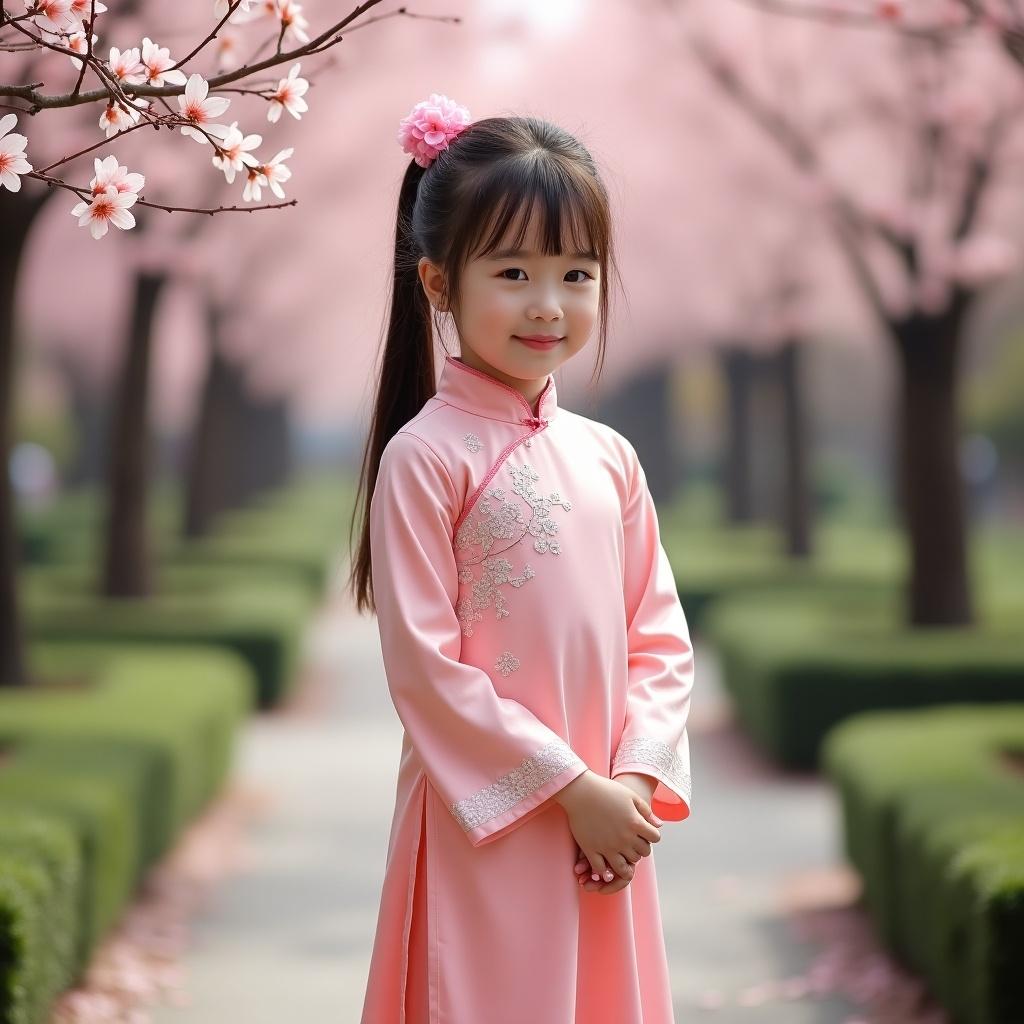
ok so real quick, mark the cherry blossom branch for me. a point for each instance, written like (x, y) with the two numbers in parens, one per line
(232, 7)
(87, 192)
(44, 102)
(850, 223)
(88, 27)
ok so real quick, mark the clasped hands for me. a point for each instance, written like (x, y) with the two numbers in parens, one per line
(643, 786)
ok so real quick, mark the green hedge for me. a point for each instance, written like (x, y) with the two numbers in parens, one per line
(798, 662)
(40, 887)
(933, 817)
(712, 560)
(122, 748)
(261, 619)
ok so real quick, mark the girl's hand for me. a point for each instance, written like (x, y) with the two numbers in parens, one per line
(644, 786)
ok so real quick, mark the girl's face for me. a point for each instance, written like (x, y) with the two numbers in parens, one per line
(507, 296)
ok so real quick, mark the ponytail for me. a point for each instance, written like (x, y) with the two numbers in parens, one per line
(405, 380)
(462, 205)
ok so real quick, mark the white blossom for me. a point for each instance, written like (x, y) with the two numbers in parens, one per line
(126, 65)
(107, 207)
(200, 109)
(76, 41)
(220, 7)
(54, 15)
(276, 172)
(116, 116)
(110, 173)
(234, 155)
(12, 154)
(289, 13)
(81, 8)
(289, 95)
(158, 61)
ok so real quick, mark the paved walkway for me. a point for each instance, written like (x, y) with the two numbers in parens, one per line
(289, 940)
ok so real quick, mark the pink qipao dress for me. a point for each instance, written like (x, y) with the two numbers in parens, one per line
(530, 629)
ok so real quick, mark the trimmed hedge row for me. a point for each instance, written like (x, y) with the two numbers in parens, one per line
(255, 614)
(798, 662)
(297, 530)
(40, 886)
(116, 767)
(933, 813)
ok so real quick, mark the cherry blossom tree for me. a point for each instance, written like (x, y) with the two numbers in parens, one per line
(900, 139)
(140, 85)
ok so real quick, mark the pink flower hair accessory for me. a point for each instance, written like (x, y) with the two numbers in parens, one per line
(430, 126)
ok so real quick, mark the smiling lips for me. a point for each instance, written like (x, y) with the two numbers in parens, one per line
(539, 340)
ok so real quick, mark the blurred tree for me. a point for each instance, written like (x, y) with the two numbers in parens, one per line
(911, 232)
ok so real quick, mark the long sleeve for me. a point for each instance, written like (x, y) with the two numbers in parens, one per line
(493, 762)
(661, 665)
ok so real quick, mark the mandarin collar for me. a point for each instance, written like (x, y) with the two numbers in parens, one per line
(475, 391)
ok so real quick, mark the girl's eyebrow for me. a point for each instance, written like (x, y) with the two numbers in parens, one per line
(512, 254)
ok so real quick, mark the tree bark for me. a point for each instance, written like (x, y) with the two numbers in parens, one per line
(929, 485)
(796, 507)
(739, 496)
(127, 571)
(17, 215)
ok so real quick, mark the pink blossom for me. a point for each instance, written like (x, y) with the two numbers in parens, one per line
(270, 175)
(158, 63)
(127, 66)
(289, 95)
(110, 173)
(233, 152)
(116, 116)
(292, 20)
(12, 154)
(81, 8)
(430, 126)
(54, 15)
(890, 10)
(227, 51)
(221, 7)
(200, 110)
(76, 41)
(108, 207)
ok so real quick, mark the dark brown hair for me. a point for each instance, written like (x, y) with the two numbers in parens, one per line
(498, 170)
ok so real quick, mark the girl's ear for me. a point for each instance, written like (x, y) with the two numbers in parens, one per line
(432, 279)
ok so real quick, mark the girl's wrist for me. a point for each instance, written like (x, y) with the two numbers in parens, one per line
(647, 783)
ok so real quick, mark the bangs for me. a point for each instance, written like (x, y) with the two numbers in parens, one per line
(572, 211)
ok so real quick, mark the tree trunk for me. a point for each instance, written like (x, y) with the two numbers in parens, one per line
(17, 215)
(739, 497)
(127, 570)
(265, 458)
(930, 487)
(796, 506)
(642, 410)
(210, 457)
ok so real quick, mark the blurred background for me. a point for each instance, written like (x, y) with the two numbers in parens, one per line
(818, 352)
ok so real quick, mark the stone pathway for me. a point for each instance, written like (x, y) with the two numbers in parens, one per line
(289, 938)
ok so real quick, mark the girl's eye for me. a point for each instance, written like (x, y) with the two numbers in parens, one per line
(517, 270)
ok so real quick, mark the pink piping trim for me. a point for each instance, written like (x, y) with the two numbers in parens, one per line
(541, 422)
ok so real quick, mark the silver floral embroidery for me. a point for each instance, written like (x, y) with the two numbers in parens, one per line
(496, 518)
(518, 784)
(645, 750)
(473, 443)
(507, 663)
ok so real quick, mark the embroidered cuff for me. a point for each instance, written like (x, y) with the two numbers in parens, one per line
(518, 784)
(657, 755)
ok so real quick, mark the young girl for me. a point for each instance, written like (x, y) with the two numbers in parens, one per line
(534, 644)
